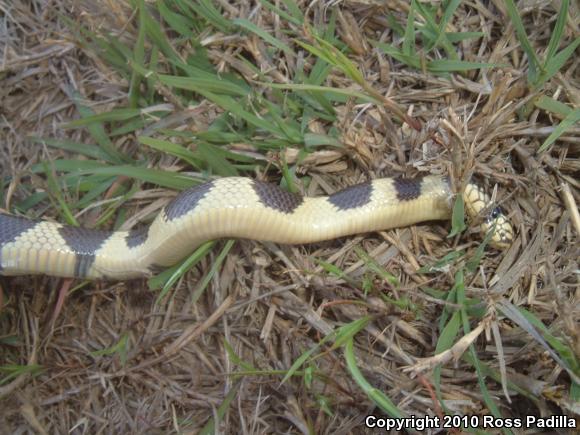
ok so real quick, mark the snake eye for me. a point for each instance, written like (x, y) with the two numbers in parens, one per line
(495, 213)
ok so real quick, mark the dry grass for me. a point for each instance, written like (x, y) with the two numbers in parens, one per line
(178, 366)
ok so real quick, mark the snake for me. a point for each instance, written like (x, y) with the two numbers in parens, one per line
(239, 208)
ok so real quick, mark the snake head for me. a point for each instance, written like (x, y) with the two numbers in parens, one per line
(480, 207)
(502, 233)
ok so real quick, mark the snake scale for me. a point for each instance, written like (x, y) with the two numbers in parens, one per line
(235, 207)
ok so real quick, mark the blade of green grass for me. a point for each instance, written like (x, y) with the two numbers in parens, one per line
(210, 427)
(178, 22)
(138, 57)
(461, 301)
(448, 65)
(216, 160)
(294, 10)
(554, 106)
(96, 190)
(282, 14)
(557, 62)
(372, 265)
(113, 115)
(462, 36)
(174, 149)
(409, 48)
(571, 119)
(13, 371)
(443, 263)
(216, 264)
(158, 38)
(445, 341)
(377, 396)
(334, 57)
(563, 350)
(436, 37)
(261, 33)
(92, 151)
(121, 348)
(209, 81)
(97, 131)
(207, 10)
(533, 63)
(390, 50)
(227, 103)
(324, 89)
(107, 51)
(55, 191)
(312, 140)
(457, 217)
(172, 180)
(340, 336)
(168, 277)
(557, 32)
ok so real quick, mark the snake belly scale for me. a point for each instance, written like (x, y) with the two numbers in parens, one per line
(234, 207)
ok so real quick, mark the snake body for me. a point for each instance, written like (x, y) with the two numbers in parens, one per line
(234, 207)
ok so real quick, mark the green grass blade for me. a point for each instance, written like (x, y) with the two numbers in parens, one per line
(443, 263)
(377, 396)
(92, 151)
(55, 191)
(442, 35)
(178, 22)
(282, 14)
(172, 180)
(206, 9)
(412, 61)
(158, 38)
(557, 32)
(444, 342)
(202, 84)
(168, 277)
(462, 301)
(334, 57)
(529, 324)
(216, 160)
(113, 115)
(294, 10)
(325, 90)
(435, 36)
(450, 8)
(346, 332)
(212, 271)
(559, 345)
(13, 371)
(138, 57)
(98, 132)
(121, 348)
(571, 119)
(212, 424)
(174, 149)
(448, 65)
(554, 106)
(409, 48)
(534, 66)
(261, 33)
(457, 217)
(339, 335)
(557, 62)
(300, 361)
(462, 36)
